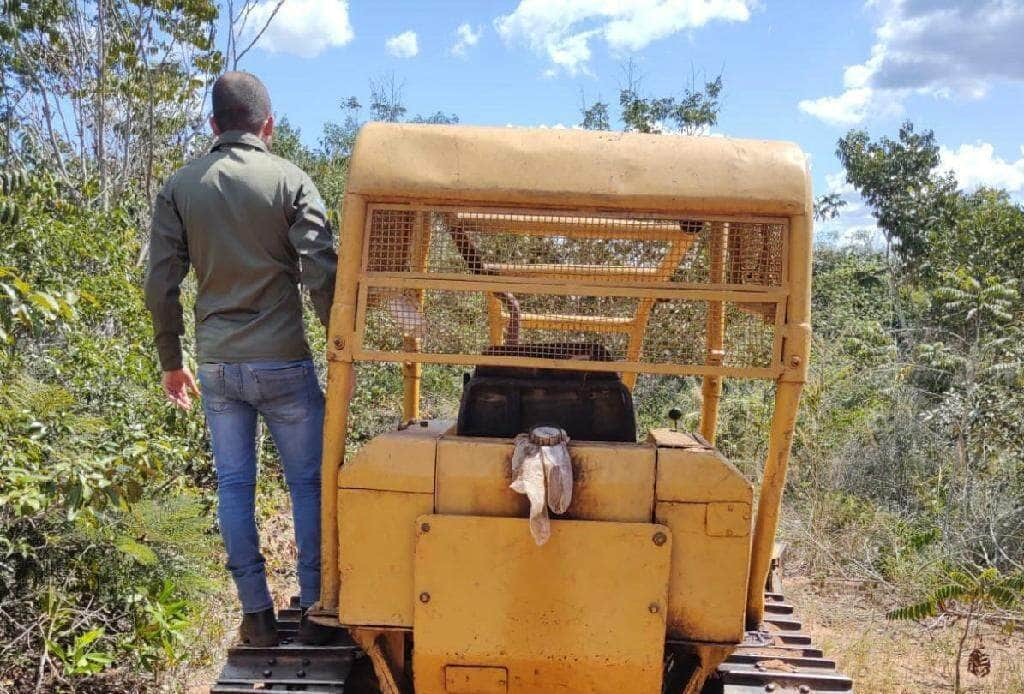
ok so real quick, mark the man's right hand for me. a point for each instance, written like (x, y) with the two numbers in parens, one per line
(180, 386)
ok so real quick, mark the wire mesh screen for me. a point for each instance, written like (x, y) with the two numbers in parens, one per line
(561, 246)
(641, 291)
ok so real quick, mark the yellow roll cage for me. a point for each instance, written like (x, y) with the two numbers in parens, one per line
(690, 255)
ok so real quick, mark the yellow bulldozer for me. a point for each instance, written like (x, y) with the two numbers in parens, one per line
(536, 541)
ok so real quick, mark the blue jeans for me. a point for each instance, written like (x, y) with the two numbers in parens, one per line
(288, 397)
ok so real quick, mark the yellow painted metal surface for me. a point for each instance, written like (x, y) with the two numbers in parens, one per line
(474, 679)
(692, 471)
(473, 477)
(727, 519)
(377, 532)
(583, 613)
(708, 584)
(396, 461)
(612, 481)
(707, 503)
(578, 167)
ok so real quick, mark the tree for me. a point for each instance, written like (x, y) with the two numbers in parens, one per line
(595, 116)
(106, 93)
(987, 237)
(693, 113)
(386, 102)
(243, 28)
(898, 179)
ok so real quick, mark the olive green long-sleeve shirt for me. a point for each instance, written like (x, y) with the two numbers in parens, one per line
(253, 226)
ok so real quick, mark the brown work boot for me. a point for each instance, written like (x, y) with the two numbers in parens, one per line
(312, 634)
(259, 628)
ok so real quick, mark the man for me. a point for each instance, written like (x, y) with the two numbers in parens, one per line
(253, 227)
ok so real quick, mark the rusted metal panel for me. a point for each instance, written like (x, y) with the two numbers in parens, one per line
(377, 535)
(612, 481)
(585, 612)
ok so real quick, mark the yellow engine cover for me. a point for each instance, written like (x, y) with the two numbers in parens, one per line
(490, 587)
(583, 613)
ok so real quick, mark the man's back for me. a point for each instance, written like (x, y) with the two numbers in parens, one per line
(244, 219)
(253, 226)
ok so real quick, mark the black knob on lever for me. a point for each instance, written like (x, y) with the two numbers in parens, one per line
(675, 414)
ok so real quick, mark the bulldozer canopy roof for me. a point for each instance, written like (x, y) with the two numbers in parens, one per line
(579, 168)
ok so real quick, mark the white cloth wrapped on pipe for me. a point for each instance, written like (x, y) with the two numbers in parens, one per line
(542, 470)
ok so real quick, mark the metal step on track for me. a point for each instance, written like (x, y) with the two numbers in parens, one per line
(778, 659)
(289, 666)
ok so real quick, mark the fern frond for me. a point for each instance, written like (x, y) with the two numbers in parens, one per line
(928, 608)
(963, 579)
(948, 592)
(1003, 596)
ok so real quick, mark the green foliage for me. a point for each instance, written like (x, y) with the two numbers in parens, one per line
(828, 206)
(436, 118)
(692, 113)
(87, 446)
(79, 658)
(696, 111)
(595, 116)
(911, 411)
(161, 621)
(985, 239)
(26, 310)
(897, 179)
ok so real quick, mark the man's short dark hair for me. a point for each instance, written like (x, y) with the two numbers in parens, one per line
(240, 102)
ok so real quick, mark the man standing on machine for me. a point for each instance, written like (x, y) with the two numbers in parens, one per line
(254, 228)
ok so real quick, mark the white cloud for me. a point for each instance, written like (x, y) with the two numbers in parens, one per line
(978, 165)
(849, 108)
(938, 48)
(404, 45)
(837, 183)
(562, 29)
(301, 27)
(467, 38)
(855, 223)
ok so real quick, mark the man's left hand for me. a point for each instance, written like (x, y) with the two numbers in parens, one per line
(180, 386)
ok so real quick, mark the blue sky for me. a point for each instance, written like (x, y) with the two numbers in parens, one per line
(805, 71)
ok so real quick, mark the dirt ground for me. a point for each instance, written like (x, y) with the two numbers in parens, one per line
(849, 624)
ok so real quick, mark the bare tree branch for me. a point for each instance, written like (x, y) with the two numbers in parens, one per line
(259, 34)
